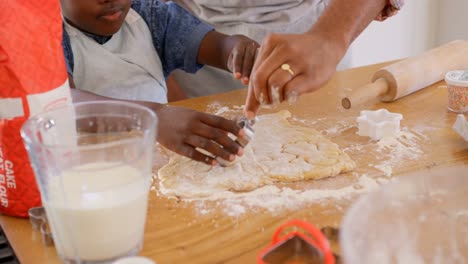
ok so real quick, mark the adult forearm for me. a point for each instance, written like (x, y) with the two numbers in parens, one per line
(343, 20)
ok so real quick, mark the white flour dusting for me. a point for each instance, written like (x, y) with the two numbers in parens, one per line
(307, 122)
(391, 152)
(403, 139)
(218, 109)
(385, 168)
(405, 146)
(278, 199)
(338, 128)
(421, 129)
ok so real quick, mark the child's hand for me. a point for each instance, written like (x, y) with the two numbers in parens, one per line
(242, 57)
(182, 130)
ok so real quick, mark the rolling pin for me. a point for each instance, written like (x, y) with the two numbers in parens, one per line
(410, 75)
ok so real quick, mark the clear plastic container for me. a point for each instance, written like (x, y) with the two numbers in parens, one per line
(92, 162)
(457, 85)
(421, 218)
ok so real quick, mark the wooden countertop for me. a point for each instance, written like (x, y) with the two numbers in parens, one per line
(176, 233)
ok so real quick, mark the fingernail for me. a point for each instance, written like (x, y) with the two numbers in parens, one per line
(240, 152)
(214, 162)
(262, 99)
(275, 95)
(232, 157)
(292, 97)
(245, 79)
(241, 133)
(237, 75)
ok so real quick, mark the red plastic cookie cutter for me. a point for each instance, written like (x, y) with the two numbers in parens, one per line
(297, 247)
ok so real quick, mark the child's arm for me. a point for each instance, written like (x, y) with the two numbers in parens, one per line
(182, 130)
(184, 42)
(232, 53)
(174, 90)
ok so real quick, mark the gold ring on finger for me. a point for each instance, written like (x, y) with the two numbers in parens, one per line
(287, 68)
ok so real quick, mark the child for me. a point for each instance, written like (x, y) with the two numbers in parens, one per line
(124, 49)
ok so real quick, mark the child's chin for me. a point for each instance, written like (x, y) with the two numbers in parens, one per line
(109, 31)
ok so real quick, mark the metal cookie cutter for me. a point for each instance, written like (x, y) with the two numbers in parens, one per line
(247, 125)
(297, 247)
(38, 219)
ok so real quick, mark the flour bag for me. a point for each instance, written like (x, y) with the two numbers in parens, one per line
(33, 79)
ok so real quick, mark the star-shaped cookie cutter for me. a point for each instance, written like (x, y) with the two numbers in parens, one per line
(378, 124)
(461, 126)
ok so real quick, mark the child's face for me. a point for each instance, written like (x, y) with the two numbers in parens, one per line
(100, 17)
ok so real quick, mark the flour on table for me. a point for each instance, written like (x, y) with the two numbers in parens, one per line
(403, 146)
(385, 168)
(279, 152)
(276, 199)
(220, 110)
(398, 149)
(338, 128)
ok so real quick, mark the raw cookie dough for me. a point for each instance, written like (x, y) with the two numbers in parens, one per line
(279, 152)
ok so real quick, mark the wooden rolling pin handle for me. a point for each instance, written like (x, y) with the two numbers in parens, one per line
(365, 93)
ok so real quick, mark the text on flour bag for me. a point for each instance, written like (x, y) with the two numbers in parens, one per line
(33, 79)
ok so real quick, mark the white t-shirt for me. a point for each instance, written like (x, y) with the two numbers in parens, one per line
(256, 18)
(253, 18)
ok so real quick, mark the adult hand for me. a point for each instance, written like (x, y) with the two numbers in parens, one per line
(290, 65)
(182, 130)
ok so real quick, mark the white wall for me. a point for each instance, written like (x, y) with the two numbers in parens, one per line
(419, 26)
(453, 21)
